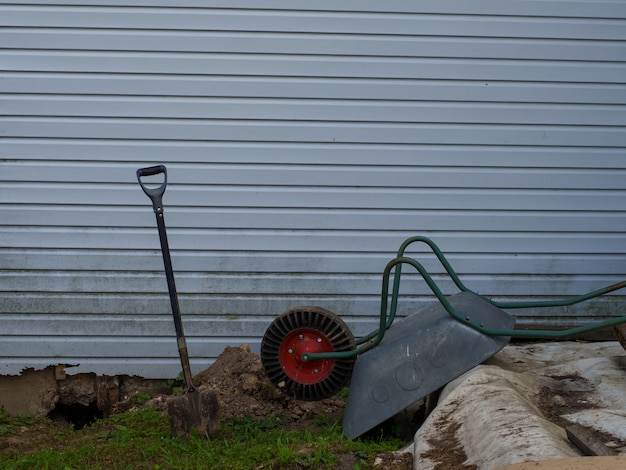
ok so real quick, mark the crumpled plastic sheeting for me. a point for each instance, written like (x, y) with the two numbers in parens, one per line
(495, 414)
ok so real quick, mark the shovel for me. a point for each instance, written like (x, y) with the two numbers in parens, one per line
(193, 410)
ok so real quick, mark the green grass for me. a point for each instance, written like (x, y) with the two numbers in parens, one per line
(142, 440)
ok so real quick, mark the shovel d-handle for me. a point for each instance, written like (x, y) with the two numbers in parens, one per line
(156, 196)
(156, 193)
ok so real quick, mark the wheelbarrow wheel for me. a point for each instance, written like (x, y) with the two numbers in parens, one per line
(307, 330)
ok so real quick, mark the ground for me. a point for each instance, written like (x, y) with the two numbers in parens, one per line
(243, 391)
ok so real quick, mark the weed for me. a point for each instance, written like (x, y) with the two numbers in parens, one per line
(176, 385)
(140, 398)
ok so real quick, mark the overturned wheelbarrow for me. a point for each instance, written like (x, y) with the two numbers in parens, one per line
(310, 354)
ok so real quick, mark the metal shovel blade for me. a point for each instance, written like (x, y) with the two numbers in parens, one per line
(418, 355)
(193, 410)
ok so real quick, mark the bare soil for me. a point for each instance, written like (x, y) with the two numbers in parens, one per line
(446, 449)
(563, 395)
(243, 390)
(567, 394)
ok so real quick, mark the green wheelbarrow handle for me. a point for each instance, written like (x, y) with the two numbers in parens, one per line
(388, 313)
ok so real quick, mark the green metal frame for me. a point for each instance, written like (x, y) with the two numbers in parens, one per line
(387, 316)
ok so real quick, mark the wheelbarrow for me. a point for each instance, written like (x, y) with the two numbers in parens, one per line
(310, 354)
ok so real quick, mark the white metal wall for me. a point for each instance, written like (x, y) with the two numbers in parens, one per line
(304, 141)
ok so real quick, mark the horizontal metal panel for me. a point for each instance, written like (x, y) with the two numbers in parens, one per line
(318, 110)
(378, 197)
(361, 323)
(556, 8)
(208, 329)
(319, 176)
(332, 219)
(154, 326)
(313, 22)
(302, 284)
(132, 155)
(237, 315)
(330, 133)
(161, 328)
(217, 318)
(313, 241)
(308, 284)
(313, 66)
(121, 356)
(423, 45)
(74, 347)
(308, 88)
(212, 328)
(202, 314)
(253, 263)
(209, 283)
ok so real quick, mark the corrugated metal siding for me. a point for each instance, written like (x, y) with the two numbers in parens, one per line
(304, 142)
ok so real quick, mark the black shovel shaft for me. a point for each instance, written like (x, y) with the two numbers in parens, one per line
(156, 196)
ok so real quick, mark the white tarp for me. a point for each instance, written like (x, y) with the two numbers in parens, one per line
(514, 407)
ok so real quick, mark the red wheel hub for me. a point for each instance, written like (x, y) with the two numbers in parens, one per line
(299, 342)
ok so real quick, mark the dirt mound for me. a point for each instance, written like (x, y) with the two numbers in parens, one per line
(243, 390)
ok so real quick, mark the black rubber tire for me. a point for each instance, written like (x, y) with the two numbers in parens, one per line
(336, 334)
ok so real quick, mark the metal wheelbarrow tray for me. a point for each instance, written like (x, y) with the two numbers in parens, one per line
(310, 353)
